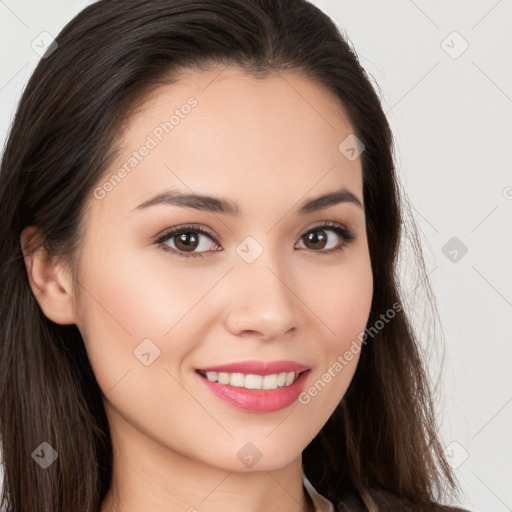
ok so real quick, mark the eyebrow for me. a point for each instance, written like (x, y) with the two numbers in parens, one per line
(224, 206)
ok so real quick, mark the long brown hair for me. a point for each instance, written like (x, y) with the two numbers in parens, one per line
(382, 435)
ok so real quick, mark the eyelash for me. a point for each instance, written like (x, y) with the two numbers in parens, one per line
(340, 230)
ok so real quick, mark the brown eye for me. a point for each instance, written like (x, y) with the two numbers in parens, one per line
(186, 241)
(317, 238)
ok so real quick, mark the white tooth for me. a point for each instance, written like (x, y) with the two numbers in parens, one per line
(281, 379)
(253, 381)
(237, 380)
(211, 376)
(223, 378)
(270, 382)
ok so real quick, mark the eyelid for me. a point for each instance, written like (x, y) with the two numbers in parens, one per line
(187, 227)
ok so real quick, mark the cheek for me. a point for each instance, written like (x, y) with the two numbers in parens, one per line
(119, 310)
(343, 304)
(343, 311)
(354, 309)
(134, 298)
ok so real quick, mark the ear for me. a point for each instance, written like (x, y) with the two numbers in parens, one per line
(50, 281)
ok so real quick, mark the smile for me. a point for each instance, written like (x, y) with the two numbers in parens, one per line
(255, 393)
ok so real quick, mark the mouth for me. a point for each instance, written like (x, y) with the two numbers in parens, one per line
(253, 392)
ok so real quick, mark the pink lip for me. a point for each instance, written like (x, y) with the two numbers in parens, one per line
(258, 367)
(257, 400)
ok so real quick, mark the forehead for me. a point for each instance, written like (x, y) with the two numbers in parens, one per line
(228, 133)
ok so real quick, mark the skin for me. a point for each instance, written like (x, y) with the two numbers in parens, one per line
(268, 145)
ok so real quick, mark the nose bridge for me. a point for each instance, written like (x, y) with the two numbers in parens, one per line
(265, 301)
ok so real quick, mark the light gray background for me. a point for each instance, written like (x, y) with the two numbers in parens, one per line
(450, 112)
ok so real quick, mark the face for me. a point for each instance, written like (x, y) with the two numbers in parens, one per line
(271, 283)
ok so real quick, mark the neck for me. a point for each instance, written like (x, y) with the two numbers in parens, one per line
(150, 476)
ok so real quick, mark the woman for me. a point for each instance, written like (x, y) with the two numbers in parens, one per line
(178, 178)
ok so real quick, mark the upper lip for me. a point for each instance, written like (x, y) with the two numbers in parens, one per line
(258, 367)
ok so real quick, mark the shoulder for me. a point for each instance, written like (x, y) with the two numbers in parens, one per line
(390, 502)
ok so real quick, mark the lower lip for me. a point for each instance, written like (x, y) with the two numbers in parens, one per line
(257, 400)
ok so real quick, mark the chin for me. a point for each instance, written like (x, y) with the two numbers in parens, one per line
(261, 455)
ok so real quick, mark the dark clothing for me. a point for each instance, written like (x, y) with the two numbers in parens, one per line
(386, 501)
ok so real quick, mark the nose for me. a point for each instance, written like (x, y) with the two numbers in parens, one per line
(262, 300)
